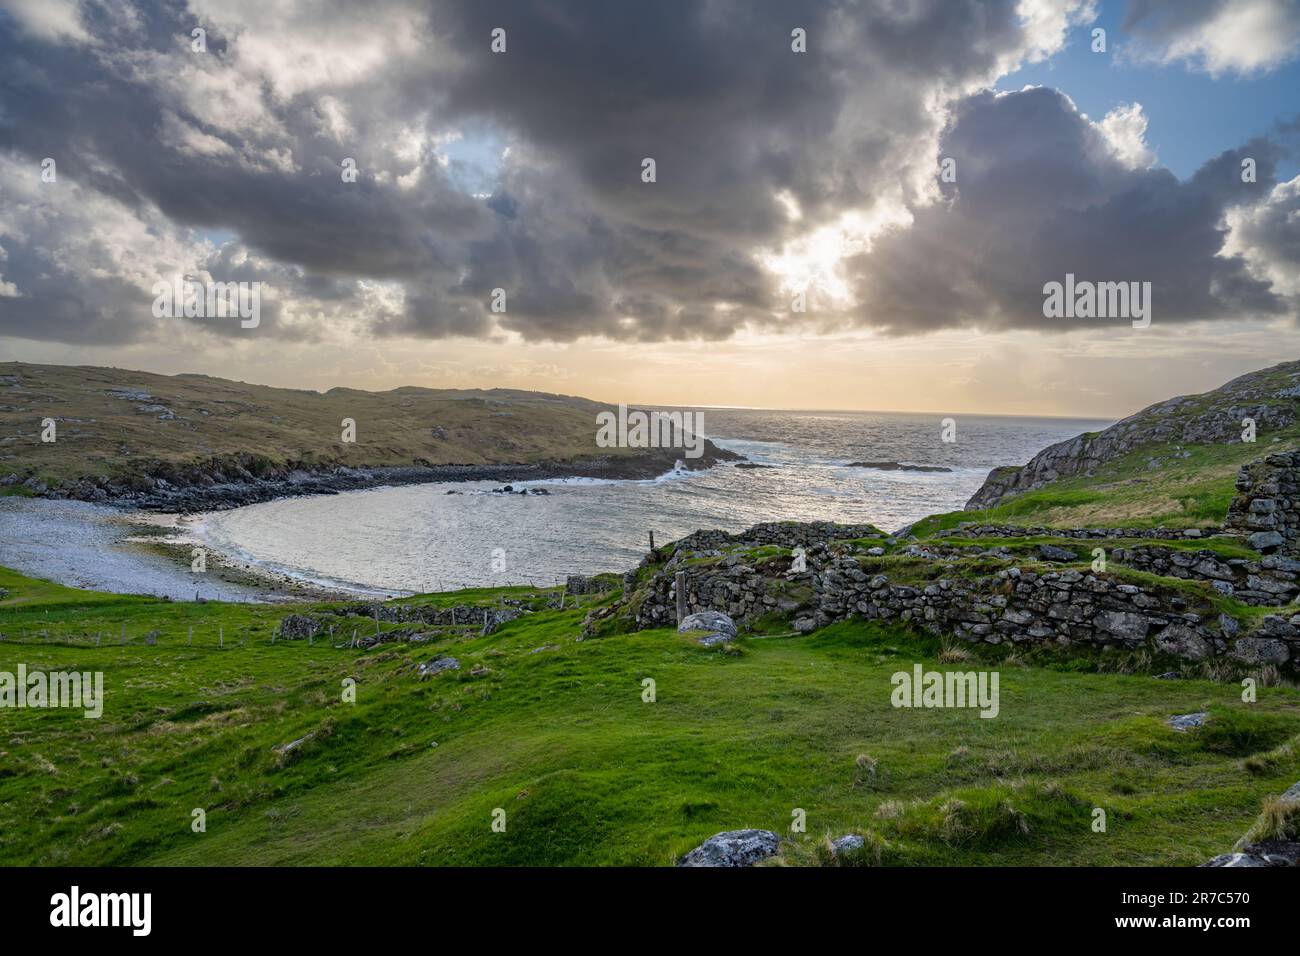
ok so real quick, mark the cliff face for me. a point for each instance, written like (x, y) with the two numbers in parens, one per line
(1271, 397)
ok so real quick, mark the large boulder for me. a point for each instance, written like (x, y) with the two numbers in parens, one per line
(733, 848)
(713, 625)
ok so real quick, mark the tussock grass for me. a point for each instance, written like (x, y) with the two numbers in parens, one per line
(1278, 820)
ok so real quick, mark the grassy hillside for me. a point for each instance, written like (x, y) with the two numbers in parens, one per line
(555, 732)
(114, 422)
(1164, 484)
(1171, 464)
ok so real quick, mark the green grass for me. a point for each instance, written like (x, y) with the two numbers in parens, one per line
(586, 771)
(1223, 546)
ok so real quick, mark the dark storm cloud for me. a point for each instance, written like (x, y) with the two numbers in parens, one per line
(229, 163)
(1041, 193)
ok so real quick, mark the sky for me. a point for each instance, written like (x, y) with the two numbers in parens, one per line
(855, 204)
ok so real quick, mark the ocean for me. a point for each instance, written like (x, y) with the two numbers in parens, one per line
(421, 538)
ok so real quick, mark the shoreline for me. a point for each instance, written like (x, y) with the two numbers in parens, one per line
(138, 546)
(222, 484)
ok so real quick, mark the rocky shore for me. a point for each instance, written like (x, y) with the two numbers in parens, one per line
(221, 483)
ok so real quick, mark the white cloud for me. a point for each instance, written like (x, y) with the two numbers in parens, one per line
(49, 20)
(1125, 129)
(1227, 36)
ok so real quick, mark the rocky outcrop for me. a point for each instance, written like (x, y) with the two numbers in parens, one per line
(1269, 397)
(733, 848)
(1266, 509)
(896, 466)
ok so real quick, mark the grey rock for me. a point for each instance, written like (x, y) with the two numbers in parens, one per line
(1183, 641)
(1266, 853)
(1052, 553)
(1236, 859)
(1185, 722)
(1265, 540)
(733, 848)
(1259, 650)
(712, 640)
(438, 665)
(1123, 624)
(850, 843)
(293, 745)
(711, 622)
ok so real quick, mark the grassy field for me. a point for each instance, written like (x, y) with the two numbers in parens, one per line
(555, 732)
(112, 422)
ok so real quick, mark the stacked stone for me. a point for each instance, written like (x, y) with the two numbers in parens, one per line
(581, 584)
(1267, 506)
(1013, 605)
(731, 586)
(1271, 581)
(298, 625)
(1064, 607)
(1014, 531)
(785, 534)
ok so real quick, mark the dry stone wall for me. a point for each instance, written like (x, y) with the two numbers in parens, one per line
(1266, 509)
(1011, 605)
